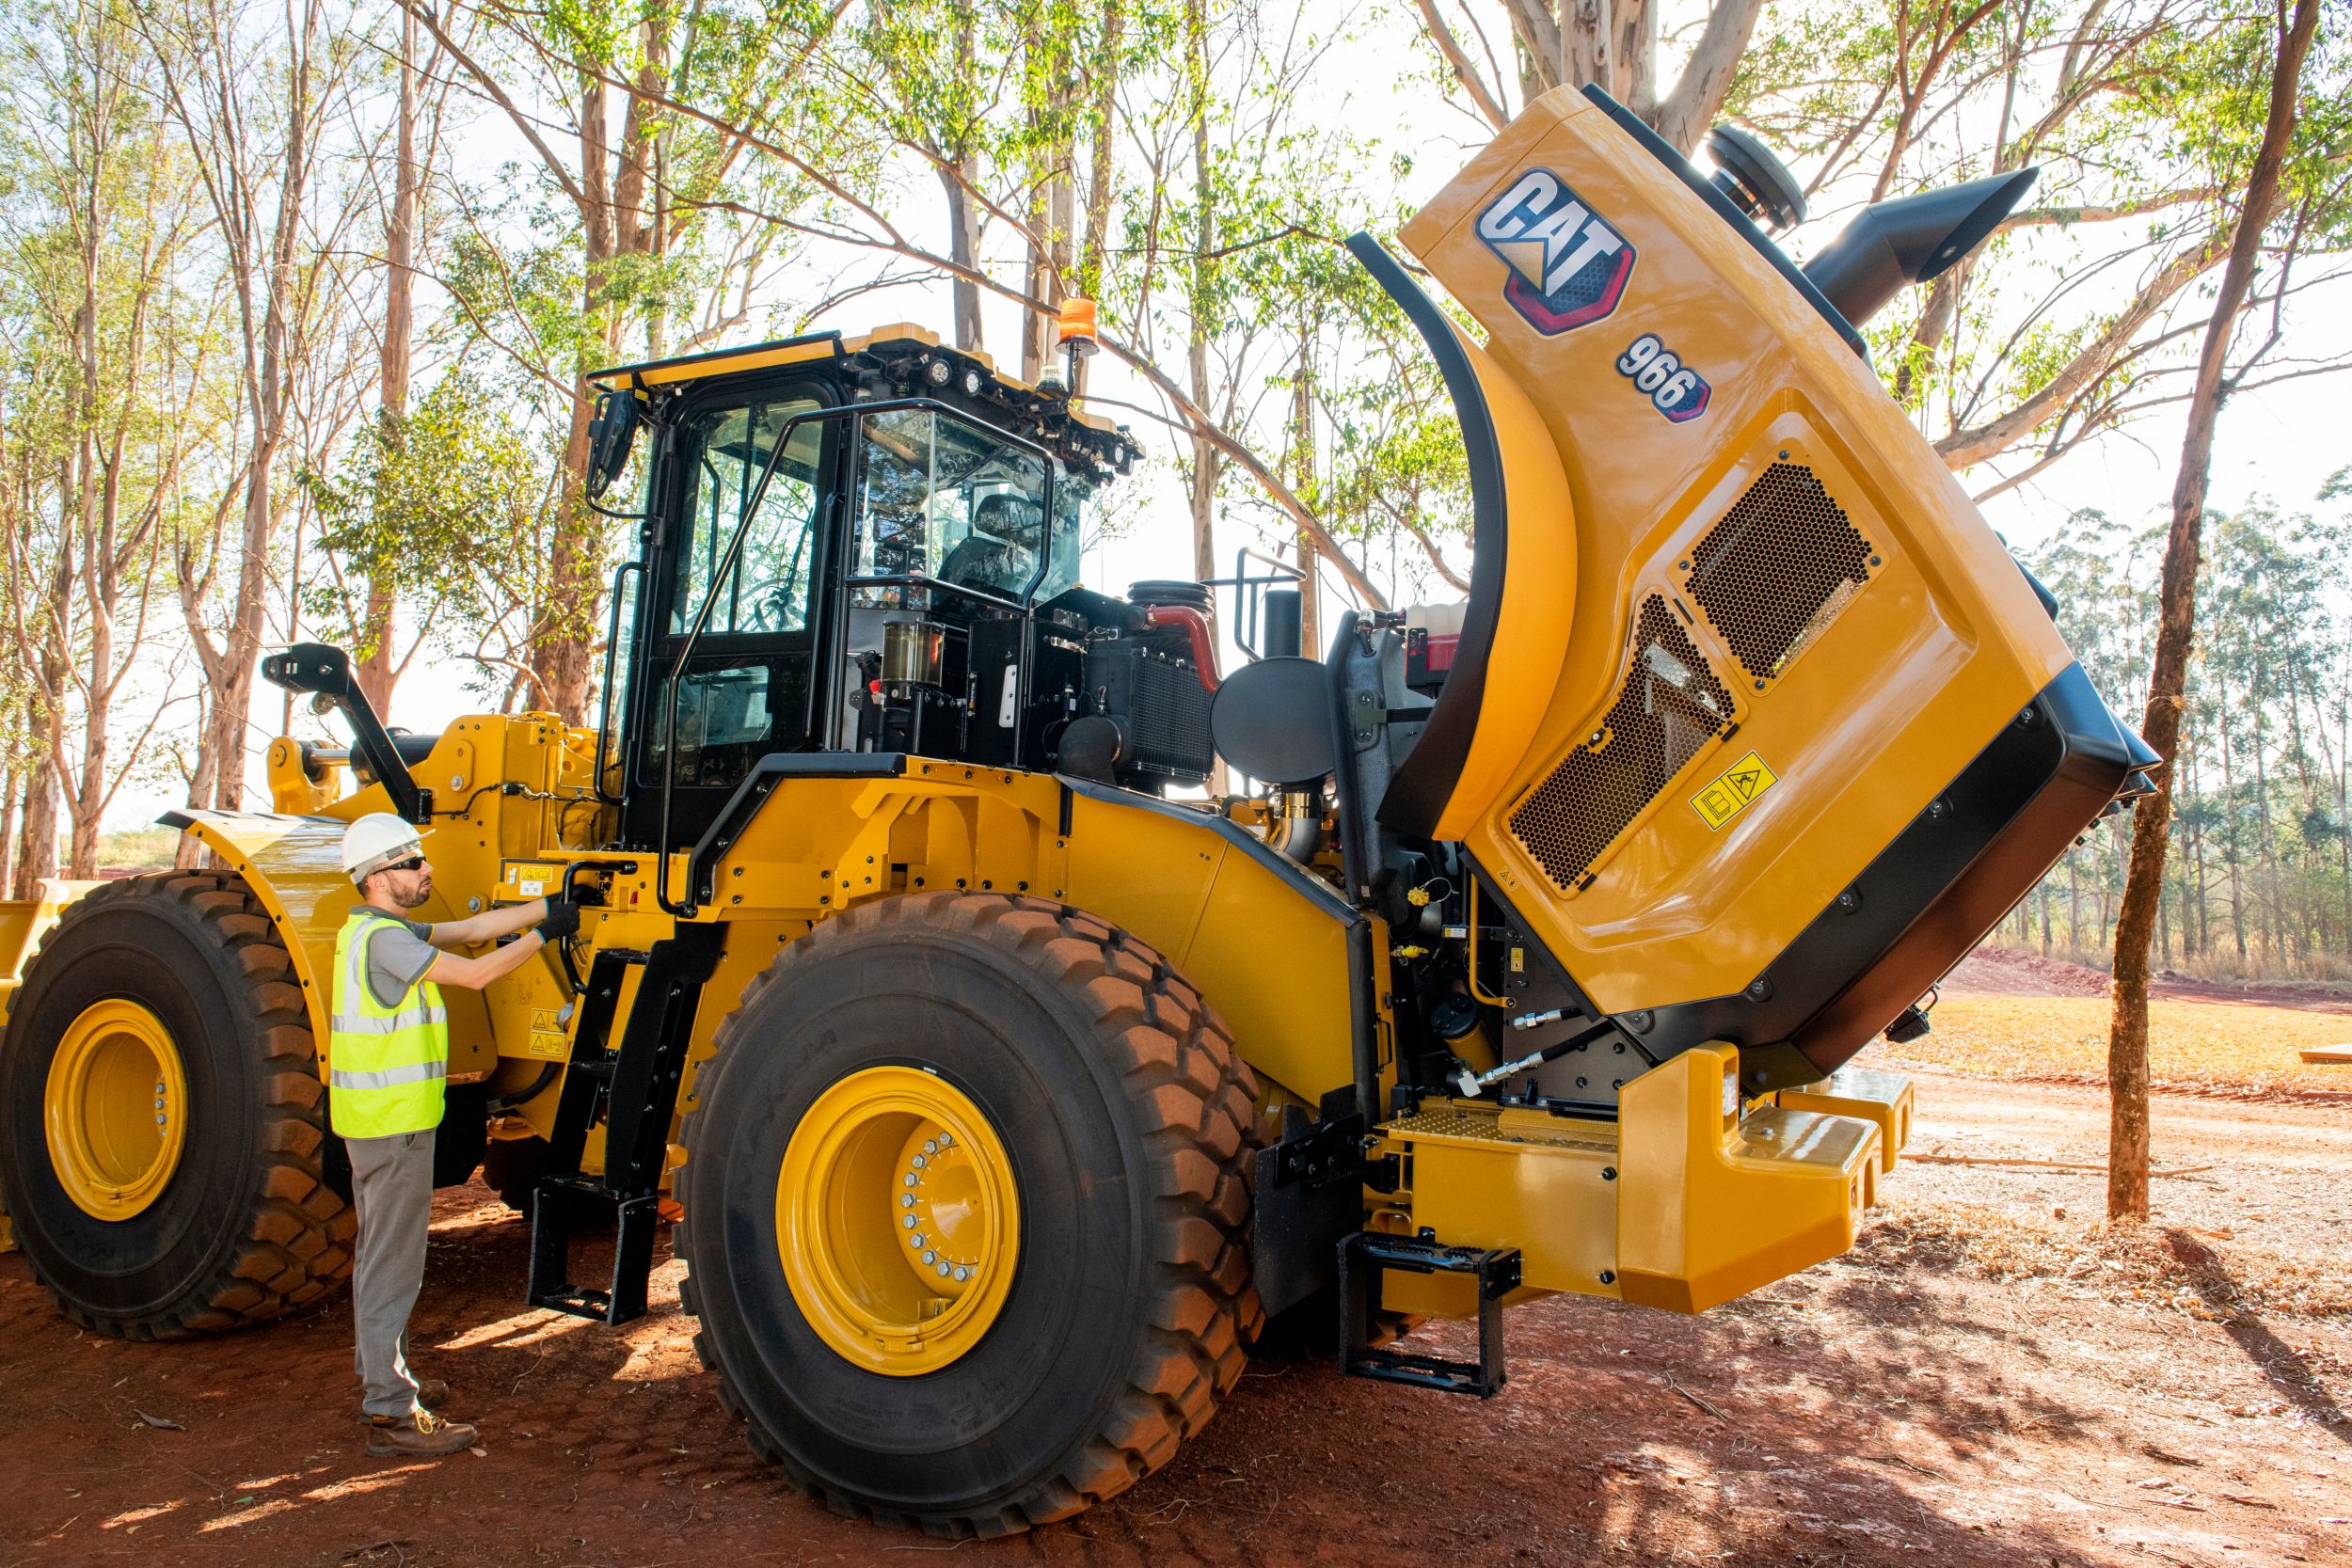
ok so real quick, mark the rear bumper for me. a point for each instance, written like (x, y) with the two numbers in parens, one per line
(1881, 1098)
(1689, 1199)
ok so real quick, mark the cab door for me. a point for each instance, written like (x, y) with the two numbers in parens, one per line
(751, 685)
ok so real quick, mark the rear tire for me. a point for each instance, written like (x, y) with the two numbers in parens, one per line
(245, 1225)
(1127, 1124)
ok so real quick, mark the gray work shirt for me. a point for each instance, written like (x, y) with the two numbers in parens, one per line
(398, 955)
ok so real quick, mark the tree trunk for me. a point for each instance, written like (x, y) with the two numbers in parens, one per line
(269, 393)
(9, 778)
(38, 850)
(963, 245)
(1302, 480)
(377, 672)
(2127, 1036)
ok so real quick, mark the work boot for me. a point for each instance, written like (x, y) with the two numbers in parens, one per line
(422, 1434)
(432, 1393)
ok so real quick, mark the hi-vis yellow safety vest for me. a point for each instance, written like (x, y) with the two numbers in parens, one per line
(384, 1066)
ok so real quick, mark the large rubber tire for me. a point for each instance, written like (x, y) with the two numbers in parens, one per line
(1129, 1123)
(249, 1224)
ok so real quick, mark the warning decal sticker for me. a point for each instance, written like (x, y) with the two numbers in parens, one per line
(547, 1035)
(1731, 790)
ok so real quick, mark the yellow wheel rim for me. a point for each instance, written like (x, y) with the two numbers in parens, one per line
(897, 1221)
(117, 1109)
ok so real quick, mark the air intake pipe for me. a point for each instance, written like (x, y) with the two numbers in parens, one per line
(1911, 240)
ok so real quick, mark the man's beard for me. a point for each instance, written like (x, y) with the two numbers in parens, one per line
(409, 901)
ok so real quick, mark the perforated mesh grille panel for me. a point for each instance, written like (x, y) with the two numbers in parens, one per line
(1670, 705)
(1781, 564)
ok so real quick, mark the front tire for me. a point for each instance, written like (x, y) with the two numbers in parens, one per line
(1108, 1127)
(215, 1209)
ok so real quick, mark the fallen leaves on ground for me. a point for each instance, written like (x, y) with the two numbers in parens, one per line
(2172, 1267)
(2199, 1046)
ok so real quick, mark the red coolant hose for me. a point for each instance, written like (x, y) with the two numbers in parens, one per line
(1197, 627)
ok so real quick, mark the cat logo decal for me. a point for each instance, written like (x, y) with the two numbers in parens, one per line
(1568, 265)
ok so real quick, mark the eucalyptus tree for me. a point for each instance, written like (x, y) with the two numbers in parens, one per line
(695, 88)
(254, 95)
(2282, 73)
(107, 384)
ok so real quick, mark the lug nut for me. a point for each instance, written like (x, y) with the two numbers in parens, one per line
(963, 1272)
(906, 1201)
(930, 1257)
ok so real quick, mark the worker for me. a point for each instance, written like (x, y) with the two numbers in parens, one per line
(386, 1058)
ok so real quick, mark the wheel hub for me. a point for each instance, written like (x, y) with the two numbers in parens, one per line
(116, 1109)
(898, 1222)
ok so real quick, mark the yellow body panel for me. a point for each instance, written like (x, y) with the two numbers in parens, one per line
(1268, 953)
(1712, 1204)
(1888, 700)
(1538, 590)
(722, 364)
(1881, 1098)
(1486, 1177)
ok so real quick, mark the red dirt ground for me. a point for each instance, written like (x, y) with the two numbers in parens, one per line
(1984, 1380)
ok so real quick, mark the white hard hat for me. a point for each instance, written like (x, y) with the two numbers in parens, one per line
(376, 840)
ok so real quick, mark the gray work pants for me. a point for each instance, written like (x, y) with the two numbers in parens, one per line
(392, 1185)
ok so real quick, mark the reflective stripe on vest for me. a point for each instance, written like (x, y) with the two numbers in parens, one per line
(385, 1066)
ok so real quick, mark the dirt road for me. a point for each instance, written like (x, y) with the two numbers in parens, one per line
(1981, 1381)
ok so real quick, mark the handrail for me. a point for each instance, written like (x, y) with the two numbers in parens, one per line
(734, 548)
(611, 655)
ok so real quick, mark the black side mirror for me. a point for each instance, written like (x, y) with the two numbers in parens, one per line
(610, 434)
(323, 672)
(1911, 240)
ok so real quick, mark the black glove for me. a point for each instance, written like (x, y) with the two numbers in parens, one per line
(563, 919)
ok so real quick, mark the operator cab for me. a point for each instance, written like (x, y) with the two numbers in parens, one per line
(872, 545)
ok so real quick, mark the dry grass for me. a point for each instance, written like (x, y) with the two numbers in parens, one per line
(2207, 1275)
(2202, 1046)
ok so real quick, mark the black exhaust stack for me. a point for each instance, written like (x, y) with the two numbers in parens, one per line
(1911, 240)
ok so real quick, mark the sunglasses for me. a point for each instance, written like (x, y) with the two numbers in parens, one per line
(414, 863)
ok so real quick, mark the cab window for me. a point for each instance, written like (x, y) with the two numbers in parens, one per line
(951, 501)
(726, 449)
(746, 691)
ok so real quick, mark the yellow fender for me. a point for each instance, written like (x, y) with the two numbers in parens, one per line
(293, 864)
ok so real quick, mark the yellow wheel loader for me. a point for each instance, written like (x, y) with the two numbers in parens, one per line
(1008, 1091)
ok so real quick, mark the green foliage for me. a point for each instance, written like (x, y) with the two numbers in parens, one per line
(2260, 877)
(454, 503)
